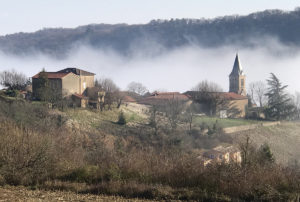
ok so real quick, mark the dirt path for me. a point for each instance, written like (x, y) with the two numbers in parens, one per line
(16, 194)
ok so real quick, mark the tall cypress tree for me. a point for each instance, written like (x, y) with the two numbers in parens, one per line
(279, 104)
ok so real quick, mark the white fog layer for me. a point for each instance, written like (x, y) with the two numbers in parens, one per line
(176, 70)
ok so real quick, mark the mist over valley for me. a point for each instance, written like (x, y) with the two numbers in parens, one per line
(171, 55)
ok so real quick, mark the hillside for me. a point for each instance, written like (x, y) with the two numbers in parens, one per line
(88, 152)
(160, 35)
(283, 140)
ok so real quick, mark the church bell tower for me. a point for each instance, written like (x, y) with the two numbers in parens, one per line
(237, 78)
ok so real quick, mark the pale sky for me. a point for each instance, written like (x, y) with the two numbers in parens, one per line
(32, 15)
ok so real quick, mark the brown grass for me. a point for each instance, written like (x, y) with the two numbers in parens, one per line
(10, 193)
(135, 164)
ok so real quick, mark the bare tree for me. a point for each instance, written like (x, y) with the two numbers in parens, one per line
(208, 94)
(106, 84)
(296, 102)
(13, 80)
(137, 88)
(190, 113)
(257, 91)
(173, 108)
(207, 86)
(154, 118)
(111, 91)
(251, 90)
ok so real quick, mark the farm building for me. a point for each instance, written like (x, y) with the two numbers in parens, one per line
(64, 82)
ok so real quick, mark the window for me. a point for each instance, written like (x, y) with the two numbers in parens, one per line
(242, 83)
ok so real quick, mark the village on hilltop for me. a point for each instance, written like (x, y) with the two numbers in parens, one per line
(80, 86)
(77, 88)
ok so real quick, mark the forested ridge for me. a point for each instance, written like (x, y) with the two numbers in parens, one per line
(240, 31)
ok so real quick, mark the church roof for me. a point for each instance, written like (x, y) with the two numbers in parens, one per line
(237, 67)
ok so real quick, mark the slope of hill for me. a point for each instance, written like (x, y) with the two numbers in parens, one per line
(86, 151)
(245, 31)
(283, 140)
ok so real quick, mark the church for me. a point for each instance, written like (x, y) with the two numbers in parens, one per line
(237, 78)
(232, 104)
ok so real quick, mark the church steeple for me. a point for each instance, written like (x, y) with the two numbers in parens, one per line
(237, 78)
(237, 67)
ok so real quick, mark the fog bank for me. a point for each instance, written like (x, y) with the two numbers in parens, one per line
(176, 70)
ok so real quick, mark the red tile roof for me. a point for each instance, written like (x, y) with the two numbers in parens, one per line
(225, 95)
(52, 75)
(160, 98)
(233, 96)
(128, 98)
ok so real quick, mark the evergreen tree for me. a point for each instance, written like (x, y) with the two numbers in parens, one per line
(279, 104)
(265, 154)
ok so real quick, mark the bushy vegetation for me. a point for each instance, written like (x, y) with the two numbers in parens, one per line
(39, 149)
(121, 119)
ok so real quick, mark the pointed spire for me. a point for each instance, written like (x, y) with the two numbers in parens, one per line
(237, 67)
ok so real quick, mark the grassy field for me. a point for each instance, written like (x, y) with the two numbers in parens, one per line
(92, 120)
(223, 122)
(284, 140)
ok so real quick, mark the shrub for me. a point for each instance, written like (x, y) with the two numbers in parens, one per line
(121, 119)
(88, 174)
(2, 181)
(12, 93)
(216, 128)
(203, 126)
(24, 155)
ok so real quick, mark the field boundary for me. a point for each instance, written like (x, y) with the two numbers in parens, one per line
(235, 129)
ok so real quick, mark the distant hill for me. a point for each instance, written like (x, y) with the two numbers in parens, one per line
(162, 34)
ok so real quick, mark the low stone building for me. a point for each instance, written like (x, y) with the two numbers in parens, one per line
(221, 104)
(80, 100)
(221, 155)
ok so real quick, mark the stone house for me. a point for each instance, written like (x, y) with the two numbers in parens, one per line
(66, 82)
(221, 155)
(235, 106)
(80, 100)
(231, 104)
(221, 104)
(85, 79)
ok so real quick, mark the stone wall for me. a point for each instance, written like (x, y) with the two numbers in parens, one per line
(86, 82)
(70, 84)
